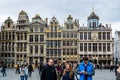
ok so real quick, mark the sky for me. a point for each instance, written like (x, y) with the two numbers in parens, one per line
(107, 10)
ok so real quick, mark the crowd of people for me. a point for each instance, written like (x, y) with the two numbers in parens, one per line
(63, 71)
(67, 71)
(24, 70)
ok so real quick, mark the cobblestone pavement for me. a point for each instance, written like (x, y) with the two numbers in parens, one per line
(99, 75)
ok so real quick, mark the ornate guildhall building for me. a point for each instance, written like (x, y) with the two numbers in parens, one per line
(38, 40)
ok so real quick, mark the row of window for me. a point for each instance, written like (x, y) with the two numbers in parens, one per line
(36, 29)
(22, 21)
(21, 36)
(54, 35)
(7, 36)
(21, 47)
(53, 43)
(101, 35)
(85, 35)
(36, 48)
(53, 52)
(7, 46)
(104, 35)
(53, 28)
(7, 55)
(95, 47)
(69, 34)
(69, 51)
(36, 38)
(21, 55)
(69, 26)
(70, 43)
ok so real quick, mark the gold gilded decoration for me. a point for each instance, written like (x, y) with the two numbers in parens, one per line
(94, 36)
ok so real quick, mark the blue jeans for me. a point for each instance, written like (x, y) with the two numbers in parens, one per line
(26, 77)
(21, 77)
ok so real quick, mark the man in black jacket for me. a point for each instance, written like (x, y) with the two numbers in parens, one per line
(49, 72)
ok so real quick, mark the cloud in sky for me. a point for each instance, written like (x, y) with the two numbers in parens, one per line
(108, 11)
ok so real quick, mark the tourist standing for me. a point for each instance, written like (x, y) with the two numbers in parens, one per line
(22, 72)
(30, 70)
(49, 72)
(26, 72)
(86, 69)
(4, 69)
(68, 73)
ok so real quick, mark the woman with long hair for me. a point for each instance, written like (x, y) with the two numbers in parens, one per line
(68, 73)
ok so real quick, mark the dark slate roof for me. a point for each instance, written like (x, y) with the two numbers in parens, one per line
(93, 16)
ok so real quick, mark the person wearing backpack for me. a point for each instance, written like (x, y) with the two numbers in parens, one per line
(86, 70)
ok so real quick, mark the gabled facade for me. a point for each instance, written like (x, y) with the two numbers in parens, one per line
(70, 40)
(7, 41)
(54, 40)
(38, 40)
(95, 41)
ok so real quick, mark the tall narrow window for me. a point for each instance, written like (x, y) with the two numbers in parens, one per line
(64, 34)
(41, 49)
(89, 35)
(89, 46)
(81, 35)
(81, 46)
(99, 35)
(94, 24)
(36, 49)
(95, 47)
(64, 43)
(41, 29)
(108, 35)
(31, 38)
(25, 36)
(104, 47)
(108, 47)
(85, 36)
(59, 34)
(100, 47)
(104, 36)
(36, 38)
(85, 47)
(41, 38)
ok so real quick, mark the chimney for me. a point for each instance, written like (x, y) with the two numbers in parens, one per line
(46, 20)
